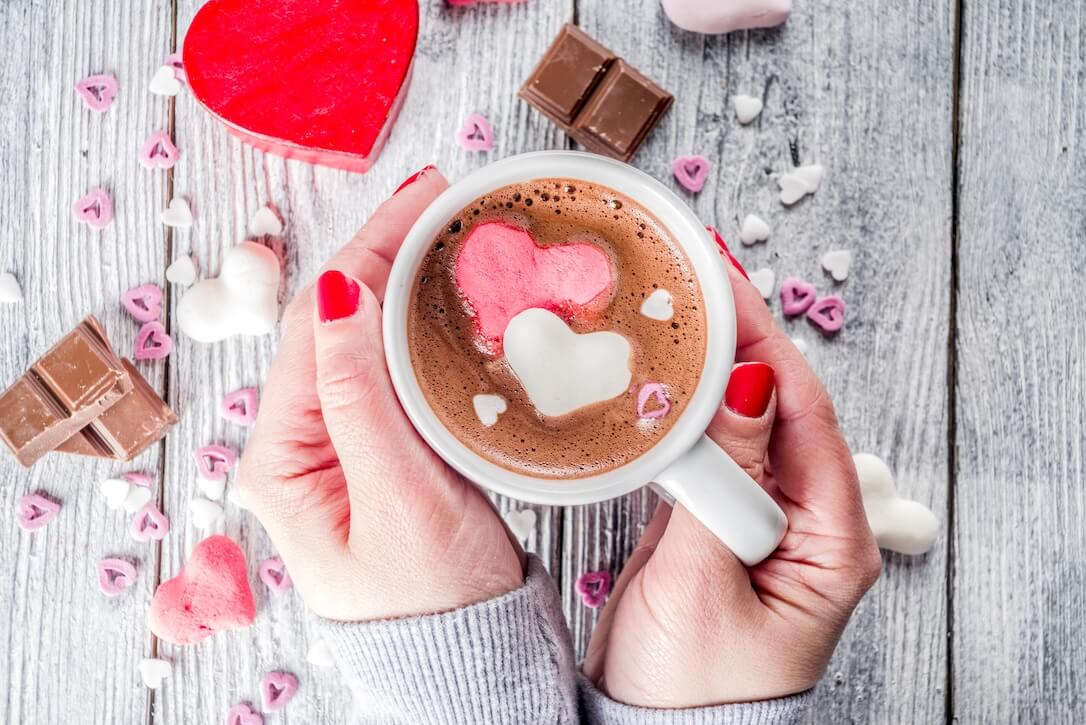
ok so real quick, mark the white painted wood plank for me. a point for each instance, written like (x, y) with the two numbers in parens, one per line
(68, 652)
(866, 91)
(1020, 547)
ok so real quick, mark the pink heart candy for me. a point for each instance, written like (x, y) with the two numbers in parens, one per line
(174, 61)
(274, 574)
(214, 462)
(95, 209)
(158, 152)
(594, 586)
(144, 303)
(97, 92)
(152, 342)
(242, 714)
(278, 688)
(149, 524)
(828, 313)
(476, 134)
(691, 172)
(137, 479)
(115, 575)
(796, 296)
(240, 406)
(35, 511)
(465, 3)
(655, 391)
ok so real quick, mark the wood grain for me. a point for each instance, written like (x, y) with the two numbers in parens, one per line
(1020, 547)
(866, 91)
(68, 651)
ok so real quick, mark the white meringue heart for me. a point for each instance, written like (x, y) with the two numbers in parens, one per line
(182, 271)
(837, 263)
(204, 514)
(764, 280)
(164, 82)
(265, 223)
(521, 523)
(747, 107)
(177, 214)
(754, 230)
(899, 524)
(242, 300)
(10, 291)
(154, 671)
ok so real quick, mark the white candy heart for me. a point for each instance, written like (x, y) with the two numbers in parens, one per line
(182, 271)
(724, 16)
(560, 370)
(764, 280)
(522, 524)
(10, 291)
(212, 489)
(801, 345)
(837, 263)
(800, 182)
(658, 306)
(177, 214)
(899, 524)
(265, 223)
(488, 408)
(321, 654)
(754, 230)
(242, 300)
(122, 494)
(811, 174)
(747, 108)
(154, 671)
(204, 514)
(164, 82)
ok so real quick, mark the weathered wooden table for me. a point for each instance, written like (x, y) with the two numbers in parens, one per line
(954, 135)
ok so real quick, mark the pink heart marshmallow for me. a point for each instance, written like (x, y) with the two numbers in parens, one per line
(476, 134)
(796, 296)
(95, 209)
(214, 462)
(277, 689)
(115, 575)
(35, 511)
(242, 714)
(828, 313)
(650, 391)
(159, 152)
(149, 524)
(153, 342)
(274, 574)
(240, 406)
(594, 586)
(97, 92)
(144, 303)
(691, 172)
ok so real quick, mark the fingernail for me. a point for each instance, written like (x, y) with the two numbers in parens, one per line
(727, 252)
(337, 296)
(413, 178)
(749, 389)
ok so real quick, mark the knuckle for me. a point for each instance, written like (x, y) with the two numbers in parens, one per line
(345, 379)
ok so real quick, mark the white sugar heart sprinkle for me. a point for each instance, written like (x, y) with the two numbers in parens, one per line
(800, 182)
(122, 494)
(177, 214)
(764, 280)
(154, 671)
(321, 654)
(801, 345)
(658, 306)
(522, 524)
(747, 108)
(204, 514)
(754, 230)
(837, 263)
(265, 223)
(898, 524)
(10, 291)
(488, 408)
(164, 82)
(811, 175)
(182, 271)
(212, 489)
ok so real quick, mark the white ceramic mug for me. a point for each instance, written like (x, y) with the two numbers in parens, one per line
(685, 465)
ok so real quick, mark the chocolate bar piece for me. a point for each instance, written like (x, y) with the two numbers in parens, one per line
(599, 99)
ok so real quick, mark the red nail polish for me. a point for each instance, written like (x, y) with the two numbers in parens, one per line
(727, 252)
(749, 389)
(413, 178)
(337, 296)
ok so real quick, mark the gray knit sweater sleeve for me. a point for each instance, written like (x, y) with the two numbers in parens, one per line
(505, 661)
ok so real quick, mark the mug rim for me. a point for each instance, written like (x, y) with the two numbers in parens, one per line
(689, 233)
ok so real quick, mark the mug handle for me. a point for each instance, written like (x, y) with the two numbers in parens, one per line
(726, 500)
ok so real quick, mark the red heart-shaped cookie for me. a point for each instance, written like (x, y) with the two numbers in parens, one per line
(315, 80)
(210, 594)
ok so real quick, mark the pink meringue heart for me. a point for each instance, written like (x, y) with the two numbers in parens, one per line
(240, 406)
(594, 586)
(158, 152)
(95, 209)
(476, 134)
(153, 342)
(115, 575)
(144, 303)
(278, 689)
(149, 524)
(35, 511)
(828, 313)
(214, 462)
(691, 172)
(274, 574)
(242, 714)
(796, 296)
(97, 92)
(654, 391)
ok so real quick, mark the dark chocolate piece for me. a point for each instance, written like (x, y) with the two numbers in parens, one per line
(604, 103)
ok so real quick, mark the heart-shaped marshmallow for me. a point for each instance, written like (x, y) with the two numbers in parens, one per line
(521, 523)
(691, 172)
(158, 151)
(800, 182)
(898, 524)
(165, 82)
(149, 524)
(302, 80)
(560, 370)
(658, 306)
(594, 586)
(797, 296)
(652, 402)
(277, 689)
(214, 462)
(837, 263)
(95, 209)
(747, 107)
(475, 134)
(265, 223)
(154, 671)
(115, 575)
(724, 16)
(488, 408)
(321, 654)
(210, 594)
(178, 214)
(754, 230)
(97, 92)
(273, 572)
(764, 280)
(10, 291)
(240, 406)
(143, 303)
(828, 313)
(182, 271)
(204, 514)
(35, 511)
(153, 342)
(501, 272)
(242, 300)
(242, 714)
(121, 493)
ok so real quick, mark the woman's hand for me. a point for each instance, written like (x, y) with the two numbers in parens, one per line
(370, 522)
(688, 625)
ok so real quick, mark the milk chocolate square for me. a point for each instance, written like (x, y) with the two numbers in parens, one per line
(570, 70)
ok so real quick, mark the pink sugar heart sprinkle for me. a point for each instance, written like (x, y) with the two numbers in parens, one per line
(149, 524)
(115, 575)
(214, 462)
(796, 296)
(174, 61)
(827, 313)
(242, 714)
(95, 209)
(152, 342)
(277, 689)
(657, 392)
(144, 303)
(159, 152)
(240, 406)
(35, 511)
(691, 172)
(476, 134)
(594, 586)
(97, 92)
(274, 574)
(465, 3)
(138, 479)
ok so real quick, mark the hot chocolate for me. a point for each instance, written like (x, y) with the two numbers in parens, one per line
(556, 328)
